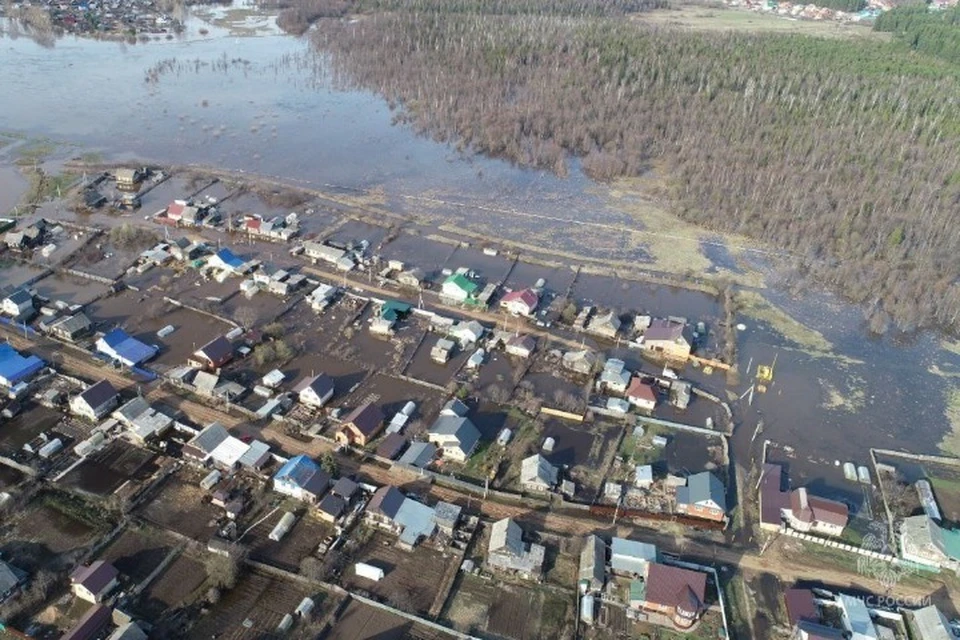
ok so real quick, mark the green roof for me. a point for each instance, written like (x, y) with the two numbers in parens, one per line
(638, 590)
(463, 282)
(393, 309)
(950, 539)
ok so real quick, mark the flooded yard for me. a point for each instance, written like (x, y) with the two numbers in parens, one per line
(32, 421)
(70, 289)
(105, 471)
(417, 251)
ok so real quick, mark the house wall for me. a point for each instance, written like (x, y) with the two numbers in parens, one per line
(825, 528)
(668, 348)
(699, 511)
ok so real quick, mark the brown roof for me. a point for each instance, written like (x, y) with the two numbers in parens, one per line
(672, 586)
(800, 605)
(367, 418)
(94, 577)
(386, 502)
(218, 350)
(641, 390)
(661, 329)
(95, 619)
(772, 498)
(807, 508)
(391, 446)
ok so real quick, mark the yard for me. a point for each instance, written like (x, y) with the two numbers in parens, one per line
(178, 586)
(103, 472)
(300, 541)
(180, 506)
(137, 552)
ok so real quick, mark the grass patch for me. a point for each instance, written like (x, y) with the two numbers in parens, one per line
(754, 305)
(77, 509)
(735, 599)
(851, 400)
(34, 152)
(722, 20)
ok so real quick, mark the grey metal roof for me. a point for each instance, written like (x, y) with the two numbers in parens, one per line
(10, 577)
(446, 513)
(416, 519)
(506, 536)
(386, 502)
(460, 428)
(254, 456)
(929, 623)
(536, 470)
(99, 394)
(419, 454)
(593, 560)
(631, 556)
(211, 437)
(131, 410)
(345, 488)
(702, 487)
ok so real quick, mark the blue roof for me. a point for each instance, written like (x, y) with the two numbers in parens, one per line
(304, 473)
(127, 348)
(15, 367)
(230, 258)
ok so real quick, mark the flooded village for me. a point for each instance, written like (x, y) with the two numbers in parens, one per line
(243, 409)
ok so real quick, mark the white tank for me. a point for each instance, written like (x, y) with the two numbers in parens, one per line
(409, 408)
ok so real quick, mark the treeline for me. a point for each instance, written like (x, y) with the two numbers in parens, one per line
(842, 154)
(935, 33)
(296, 16)
(850, 6)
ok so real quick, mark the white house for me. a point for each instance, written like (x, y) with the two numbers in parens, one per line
(537, 474)
(641, 395)
(17, 303)
(521, 303)
(301, 478)
(92, 583)
(315, 391)
(96, 401)
(455, 435)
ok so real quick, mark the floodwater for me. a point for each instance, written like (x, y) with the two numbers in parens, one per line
(266, 105)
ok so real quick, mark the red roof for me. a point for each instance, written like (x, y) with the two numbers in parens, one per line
(175, 209)
(254, 223)
(807, 508)
(526, 296)
(641, 390)
(672, 586)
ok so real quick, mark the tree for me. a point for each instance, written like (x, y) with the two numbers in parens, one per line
(328, 462)
(246, 317)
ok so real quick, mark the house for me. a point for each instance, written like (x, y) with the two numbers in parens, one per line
(582, 362)
(801, 606)
(412, 520)
(815, 631)
(856, 618)
(331, 507)
(593, 561)
(315, 391)
(346, 489)
(361, 426)
(618, 406)
(521, 303)
(93, 582)
(213, 355)
(16, 368)
(412, 278)
(91, 625)
(301, 478)
(521, 346)
(19, 303)
(339, 258)
(537, 474)
(96, 401)
(508, 552)
(11, 578)
(456, 436)
(606, 325)
(321, 297)
(925, 542)
(467, 332)
(631, 557)
(811, 514)
(419, 454)
(391, 446)
(129, 631)
(442, 350)
(127, 179)
(927, 623)
(668, 339)
(202, 445)
(458, 288)
(120, 347)
(70, 328)
(615, 377)
(447, 517)
(641, 394)
(227, 261)
(671, 591)
(773, 499)
(643, 476)
(703, 497)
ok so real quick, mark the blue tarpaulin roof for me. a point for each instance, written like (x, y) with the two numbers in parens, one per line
(230, 258)
(15, 367)
(126, 348)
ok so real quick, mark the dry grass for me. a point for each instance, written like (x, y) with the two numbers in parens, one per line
(696, 18)
(754, 305)
(951, 442)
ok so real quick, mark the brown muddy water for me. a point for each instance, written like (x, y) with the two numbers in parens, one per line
(266, 105)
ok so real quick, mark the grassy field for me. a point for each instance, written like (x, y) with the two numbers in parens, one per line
(951, 442)
(754, 305)
(723, 19)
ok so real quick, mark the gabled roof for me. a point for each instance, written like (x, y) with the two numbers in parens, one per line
(673, 586)
(593, 559)
(71, 324)
(461, 282)
(703, 487)
(506, 536)
(391, 446)
(459, 428)
(217, 350)
(303, 472)
(131, 410)
(20, 296)
(14, 367)
(419, 454)
(255, 455)
(99, 394)
(455, 407)
(92, 622)
(527, 296)
(229, 258)
(929, 623)
(527, 343)
(800, 605)
(95, 577)
(631, 556)
(10, 577)
(386, 502)
(345, 488)
(321, 384)
(536, 468)
(772, 497)
(640, 390)
(662, 329)
(127, 347)
(808, 508)
(333, 505)
(210, 438)
(367, 418)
